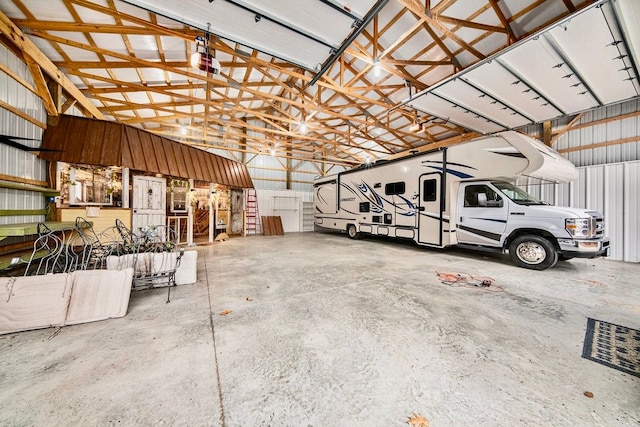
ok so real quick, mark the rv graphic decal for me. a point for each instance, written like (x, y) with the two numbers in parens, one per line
(378, 202)
(377, 205)
(483, 233)
(507, 151)
(432, 165)
(490, 219)
(410, 205)
(320, 198)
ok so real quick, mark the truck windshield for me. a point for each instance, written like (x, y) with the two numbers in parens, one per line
(516, 194)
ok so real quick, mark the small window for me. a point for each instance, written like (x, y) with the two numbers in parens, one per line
(394, 188)
(364, 206)
(430, 190)
(476, 196)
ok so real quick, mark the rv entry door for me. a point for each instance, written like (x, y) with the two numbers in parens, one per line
(429, 209)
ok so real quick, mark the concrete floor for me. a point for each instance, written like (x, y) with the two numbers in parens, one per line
(327, 331)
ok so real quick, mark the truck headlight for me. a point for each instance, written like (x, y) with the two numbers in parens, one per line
(580, 228)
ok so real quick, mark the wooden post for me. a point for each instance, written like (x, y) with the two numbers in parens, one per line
(125, 188)
(212, 206)
(546, 133)
(190, 206)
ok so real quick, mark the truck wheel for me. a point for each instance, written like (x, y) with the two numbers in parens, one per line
(533, 252)
(352, 232)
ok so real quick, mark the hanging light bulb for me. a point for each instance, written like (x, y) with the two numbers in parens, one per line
(303, 127)
(195, 60)
(376, 67)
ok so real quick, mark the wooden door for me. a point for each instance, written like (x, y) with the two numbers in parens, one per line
(237, 206)
(149, 202)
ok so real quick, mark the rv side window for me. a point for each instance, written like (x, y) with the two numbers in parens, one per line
(429, 190)
(394, 188)
(477, 196)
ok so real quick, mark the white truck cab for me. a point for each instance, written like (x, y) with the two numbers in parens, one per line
(497, 214)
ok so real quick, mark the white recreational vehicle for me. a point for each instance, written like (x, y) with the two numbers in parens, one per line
(465, 195)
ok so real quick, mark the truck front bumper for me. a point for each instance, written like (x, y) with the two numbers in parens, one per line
(584, 248)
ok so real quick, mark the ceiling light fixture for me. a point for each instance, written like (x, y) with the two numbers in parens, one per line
(376, 67)
(416, 126)
(205, 59)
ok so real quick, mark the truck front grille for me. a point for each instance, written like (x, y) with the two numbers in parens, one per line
(599, 223)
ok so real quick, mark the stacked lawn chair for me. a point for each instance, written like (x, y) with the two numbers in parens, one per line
(92, 249)
(153, 253)
(53, 252)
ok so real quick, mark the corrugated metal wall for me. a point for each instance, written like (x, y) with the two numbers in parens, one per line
(613, 132)
(268, 173)
(616, 123)
(611, 189)
(15, 162)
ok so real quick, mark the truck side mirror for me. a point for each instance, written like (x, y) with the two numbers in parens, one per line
(482, 199)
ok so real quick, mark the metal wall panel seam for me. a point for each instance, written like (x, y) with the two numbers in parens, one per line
(571, 191)
(606, 198)
(625, 206)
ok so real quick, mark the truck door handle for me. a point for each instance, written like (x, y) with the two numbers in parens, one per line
(421, 208)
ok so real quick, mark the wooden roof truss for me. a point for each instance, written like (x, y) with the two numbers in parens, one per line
(116, 61)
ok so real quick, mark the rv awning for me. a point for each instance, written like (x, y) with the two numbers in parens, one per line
(103, 143)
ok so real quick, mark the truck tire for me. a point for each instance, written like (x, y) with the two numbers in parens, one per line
(533, 252)
(352, 232)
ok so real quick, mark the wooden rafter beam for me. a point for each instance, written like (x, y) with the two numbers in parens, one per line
(566, 129)
(471, 24)
(600, 144)
(82, 27)
(417, 9)
(503, 20)
(41, 87)
(29, 49)
(189, 35)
